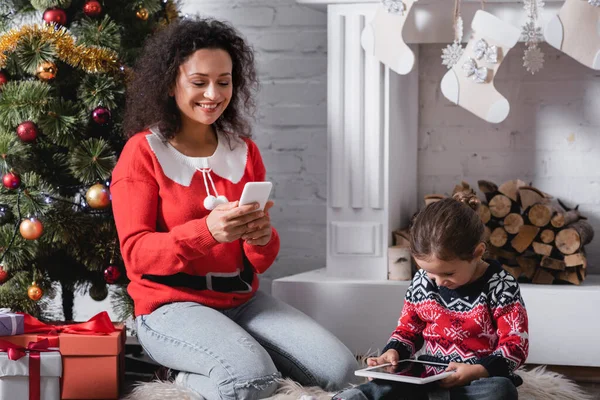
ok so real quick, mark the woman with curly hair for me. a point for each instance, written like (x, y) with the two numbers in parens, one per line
(191, 251)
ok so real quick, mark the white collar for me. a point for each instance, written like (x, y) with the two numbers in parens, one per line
(228, 163)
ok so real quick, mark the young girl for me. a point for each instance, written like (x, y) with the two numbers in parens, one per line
(192, 253)
(467, 312)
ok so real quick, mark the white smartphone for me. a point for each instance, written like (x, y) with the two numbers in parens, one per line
(256, 192)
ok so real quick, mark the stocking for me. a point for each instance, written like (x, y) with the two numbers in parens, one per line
(382, 37)
(576, 31)
(470, 82)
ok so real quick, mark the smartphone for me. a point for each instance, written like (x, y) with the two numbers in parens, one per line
(256, 192)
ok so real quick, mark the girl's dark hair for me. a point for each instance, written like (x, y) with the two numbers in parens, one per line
(448, 229)
(155, 72)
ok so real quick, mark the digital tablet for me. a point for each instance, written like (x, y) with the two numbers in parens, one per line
(409, 371)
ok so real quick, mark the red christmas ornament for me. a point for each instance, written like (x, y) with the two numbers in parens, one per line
(31, 228)
(101, 115)
(92, 8)
(3, 275)
(112, 274)
(3, 78)
(27, 131)
(10, 180)
(55, 16)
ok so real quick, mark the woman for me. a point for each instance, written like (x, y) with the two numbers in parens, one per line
(191, 252)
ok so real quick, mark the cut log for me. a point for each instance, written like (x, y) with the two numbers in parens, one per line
(489, 189)
(528, 266)
(462, 187)
(500, 206)
(433, 198)
(571, 275)
(525, 237)
(402, 238)
(561, 219)
(514, 271)
(499, 237)
(542, 249)
(487, 232)
(543, 277)
(530, 196)
(553, 263)
(574, 237)
(508, 257)
(484, 213)
(576, 260)
(511, 188)
(513, 222)
(540, 214)
(547, 236)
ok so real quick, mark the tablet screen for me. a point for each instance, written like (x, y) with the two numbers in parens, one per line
(410, 368)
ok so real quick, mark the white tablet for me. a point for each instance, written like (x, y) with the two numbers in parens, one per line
(409, 371)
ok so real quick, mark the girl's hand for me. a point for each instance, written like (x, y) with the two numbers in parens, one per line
(390, 356)
(463, 375)
(259, 230)
(228, 222)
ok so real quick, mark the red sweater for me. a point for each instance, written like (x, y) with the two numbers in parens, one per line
(157, 199)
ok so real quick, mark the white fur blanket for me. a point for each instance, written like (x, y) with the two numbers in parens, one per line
(538, 384)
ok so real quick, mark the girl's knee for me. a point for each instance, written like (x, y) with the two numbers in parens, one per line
(250, 381)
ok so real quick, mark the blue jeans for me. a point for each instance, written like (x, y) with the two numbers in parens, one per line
(493, 388)
(238, 353)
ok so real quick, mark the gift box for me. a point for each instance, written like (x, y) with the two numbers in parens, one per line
(11, 324)
(93, 359)
(29, 373)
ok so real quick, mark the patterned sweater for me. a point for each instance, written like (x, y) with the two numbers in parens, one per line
(483, 322)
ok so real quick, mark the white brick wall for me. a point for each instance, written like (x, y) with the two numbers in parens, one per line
(290, 43)
(551, 137)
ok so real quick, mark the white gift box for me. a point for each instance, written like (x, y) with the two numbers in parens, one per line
(14, 376)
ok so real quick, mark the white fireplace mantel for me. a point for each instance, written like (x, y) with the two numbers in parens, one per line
(373, 116)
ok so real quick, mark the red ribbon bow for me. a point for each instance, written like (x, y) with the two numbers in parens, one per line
(99, 324)
(35, 348)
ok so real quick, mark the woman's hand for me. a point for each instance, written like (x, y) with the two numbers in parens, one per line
(463, 375)
(390, 356)
(259, 230)
(228, 222)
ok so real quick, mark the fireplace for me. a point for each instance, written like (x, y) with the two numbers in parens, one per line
(373, 117)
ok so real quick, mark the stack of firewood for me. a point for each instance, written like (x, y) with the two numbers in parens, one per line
(535, 238)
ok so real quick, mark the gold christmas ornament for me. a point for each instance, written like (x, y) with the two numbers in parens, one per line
(142, 14)
(31, 229)
(34, 292)
(88, 59)
(46, 71)
(98, 196)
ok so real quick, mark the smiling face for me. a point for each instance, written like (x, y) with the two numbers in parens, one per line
(204, 86)
(454, 273)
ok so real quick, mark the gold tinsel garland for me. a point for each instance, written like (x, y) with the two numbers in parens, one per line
(89, 59)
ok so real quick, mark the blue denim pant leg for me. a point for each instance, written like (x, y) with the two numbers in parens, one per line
(380, 389)
(301, 348)
(493, 388)
(220, 359)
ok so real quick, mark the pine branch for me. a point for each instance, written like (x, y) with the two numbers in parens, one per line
(13, 293)
(100, 90)
(32, 52)
(61, 122)
(13, 152)
(104, 33)
(18, 253)
(93, 160)
(122, 303)
(43, 5)
(34, 198)
(152, 6)
(23, 101)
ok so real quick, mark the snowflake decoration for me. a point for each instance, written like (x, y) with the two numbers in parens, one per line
(459, 29)
(595, 3)
(530, 5)
(532, 33)
(394, 6)
(533, 59)
(451, 54)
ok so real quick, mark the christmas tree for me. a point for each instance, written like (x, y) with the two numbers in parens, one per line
(63, 71)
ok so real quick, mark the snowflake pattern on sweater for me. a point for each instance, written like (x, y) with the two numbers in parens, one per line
(484, 322)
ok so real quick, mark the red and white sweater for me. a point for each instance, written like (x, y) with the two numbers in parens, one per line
(157, 199)
(484, 322)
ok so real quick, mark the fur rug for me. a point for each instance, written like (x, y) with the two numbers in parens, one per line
(538, 384)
